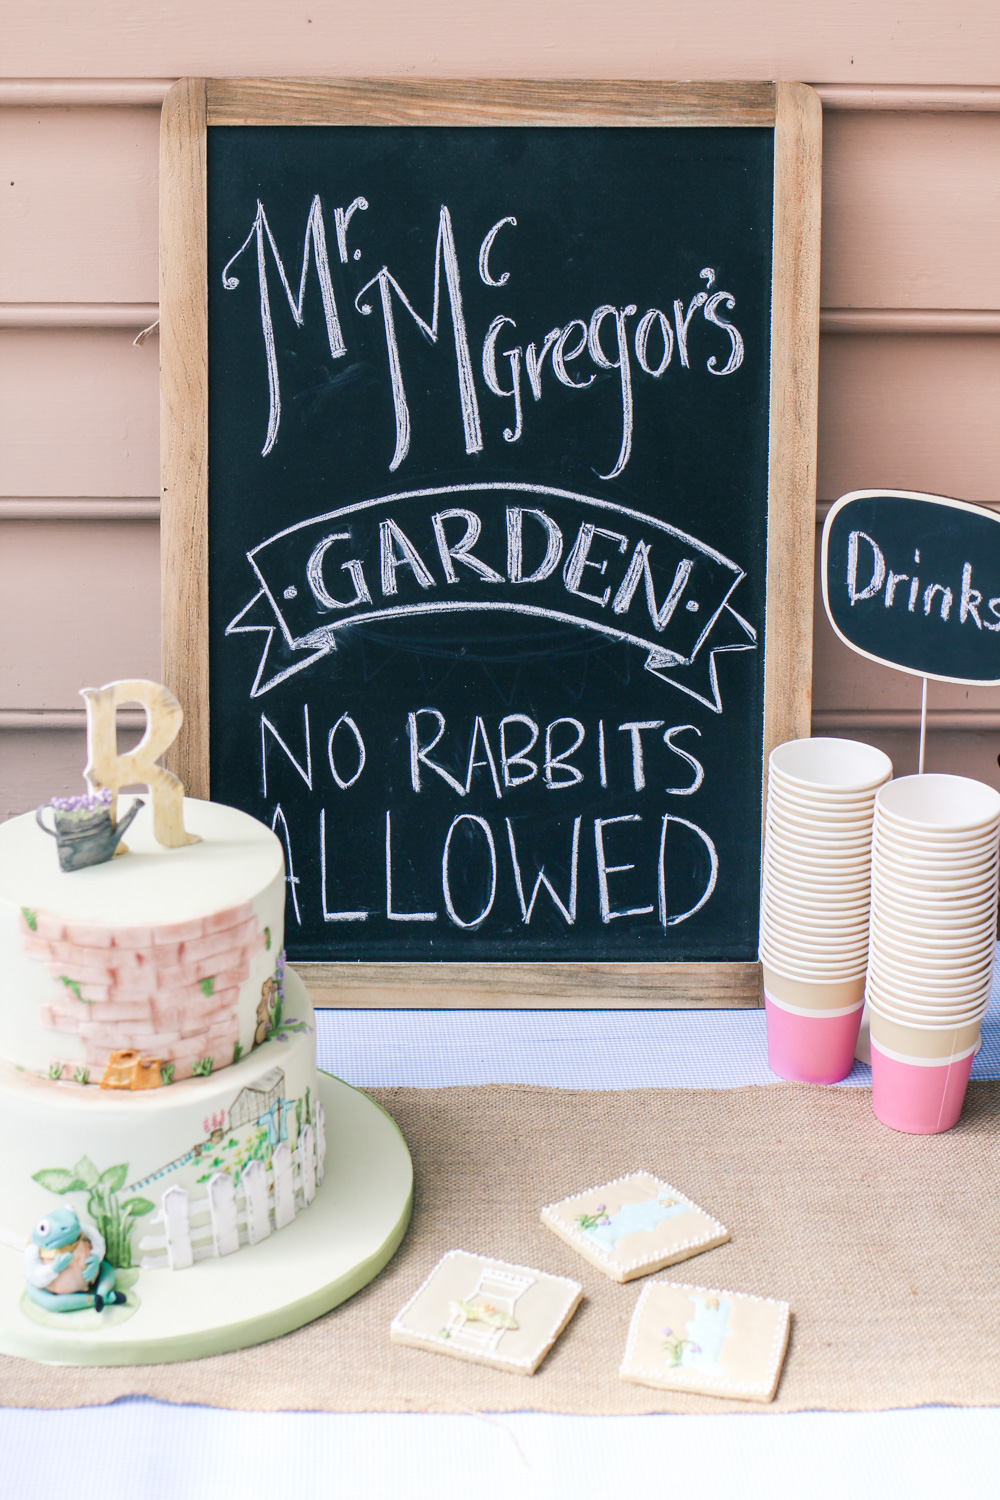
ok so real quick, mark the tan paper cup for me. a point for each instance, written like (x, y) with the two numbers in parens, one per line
(928, 991)
(939, 802)
(810, 886)
(959, 929)
(925, 862)
(837, 766)
(927, 958)
(816, 841)
(909, 1040)
(897, 925)
(953, 885)
(952, 945)
(826, 852)
(897, 994)
(816, 935)
(815, 824)
(812, 957)
(809, 890)
(818, 917)
(946, 967)
(819, 807)
(805, 994)
(972, 1017)
(954, 889)
(810, 820)
(819, 811)
(820, 847)
(960, 1015)
(903, 992)
(908, 987)
(801, 903)
(903, 999)
(810, 969)
(795, 859)
(930, 835)
(932, 906)
(954, 963)
(827, 801)
(830, 943)
(803, 894)
(794, 867)
(930, 860)
(813, 961)
(946, 943)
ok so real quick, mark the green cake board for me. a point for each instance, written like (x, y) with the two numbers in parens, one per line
(331, 1250)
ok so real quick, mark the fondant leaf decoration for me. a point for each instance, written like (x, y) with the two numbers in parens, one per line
(58, 1180)
(86, 1170)
(136, 1207)
(114, 1177)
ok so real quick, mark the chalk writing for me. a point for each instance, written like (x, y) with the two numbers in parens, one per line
(914, 581)
(563, 345)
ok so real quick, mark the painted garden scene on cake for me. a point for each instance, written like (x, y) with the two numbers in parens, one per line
(158, 1070)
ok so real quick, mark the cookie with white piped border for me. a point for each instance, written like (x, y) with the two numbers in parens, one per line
(487, 1311)
(634, 1226)
(711, 1343)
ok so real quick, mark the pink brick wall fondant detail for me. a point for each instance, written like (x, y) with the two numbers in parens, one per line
(142, 987)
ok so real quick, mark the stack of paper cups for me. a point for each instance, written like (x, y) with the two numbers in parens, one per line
(933, 933)
(815, 901)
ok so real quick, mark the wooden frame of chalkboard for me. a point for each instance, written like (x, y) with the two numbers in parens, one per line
(792, 112)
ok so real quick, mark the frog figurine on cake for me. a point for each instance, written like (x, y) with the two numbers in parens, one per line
(65, 1266)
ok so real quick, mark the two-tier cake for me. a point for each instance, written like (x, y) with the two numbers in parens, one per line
(145, 1031)
(161, 1111)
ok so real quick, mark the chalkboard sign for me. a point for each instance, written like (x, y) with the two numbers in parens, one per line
(913, 581)
(489, 431)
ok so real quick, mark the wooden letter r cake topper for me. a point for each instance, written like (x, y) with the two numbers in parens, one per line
(106, 768)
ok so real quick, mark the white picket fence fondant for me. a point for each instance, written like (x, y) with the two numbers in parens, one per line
(238, 1213)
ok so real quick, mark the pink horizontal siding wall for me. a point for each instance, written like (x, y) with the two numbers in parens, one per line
(911, 223)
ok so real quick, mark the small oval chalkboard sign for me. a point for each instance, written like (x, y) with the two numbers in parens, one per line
(913, 581)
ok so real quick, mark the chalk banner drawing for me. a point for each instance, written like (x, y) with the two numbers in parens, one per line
(487, 533)
(697, 581)
(913, 581)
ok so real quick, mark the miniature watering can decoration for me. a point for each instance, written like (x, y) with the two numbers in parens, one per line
(84, 832)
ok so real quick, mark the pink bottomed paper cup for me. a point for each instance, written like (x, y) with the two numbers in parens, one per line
(811, 1046)
(916, 1097)
(812, 1029)
(920, 1072)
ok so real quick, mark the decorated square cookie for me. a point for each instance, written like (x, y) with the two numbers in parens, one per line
(488, 1312)
(688, 1338)
(634, 1226)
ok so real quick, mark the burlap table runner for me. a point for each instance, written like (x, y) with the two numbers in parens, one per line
(885, 1245)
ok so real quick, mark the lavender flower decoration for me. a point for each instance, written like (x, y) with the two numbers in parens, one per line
(282, 1025)
(83, 806)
